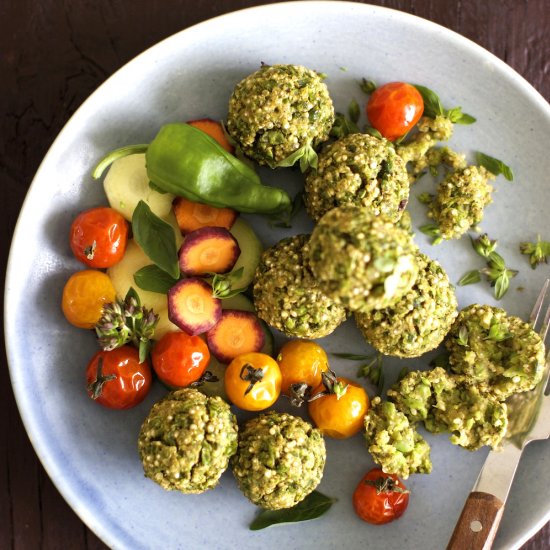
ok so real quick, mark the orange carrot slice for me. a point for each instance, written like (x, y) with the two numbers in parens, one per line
(214, 129)
(192, 307)
(208, 250)
(236, 332)
(192, 215)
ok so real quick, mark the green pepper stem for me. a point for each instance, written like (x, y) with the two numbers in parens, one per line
(109, 158)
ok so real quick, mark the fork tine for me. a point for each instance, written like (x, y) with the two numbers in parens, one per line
(544, 329)
(538, 307)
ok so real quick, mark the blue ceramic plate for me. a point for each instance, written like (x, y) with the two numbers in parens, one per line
(90, 452)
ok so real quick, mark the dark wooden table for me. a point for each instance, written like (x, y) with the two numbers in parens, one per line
(52, 56)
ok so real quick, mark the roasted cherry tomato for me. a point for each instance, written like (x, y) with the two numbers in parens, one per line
(340, 410)
(116, 379)
(253, 381)
(394, 108)
(380, 497)
(84, 295)
(301, 361)
(180, 359)
(98, 237)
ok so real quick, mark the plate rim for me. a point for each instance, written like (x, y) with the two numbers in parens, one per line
(54, 470)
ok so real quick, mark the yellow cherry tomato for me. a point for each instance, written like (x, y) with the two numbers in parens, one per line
(84, 295)
(253, 381)
(339, 416)
(301, 361)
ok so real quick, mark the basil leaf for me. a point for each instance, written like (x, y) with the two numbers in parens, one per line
(432, 103)
(154, 279)
(313, 506)
(156, 238)
(470, 277)
(494, 166)
(353, 111)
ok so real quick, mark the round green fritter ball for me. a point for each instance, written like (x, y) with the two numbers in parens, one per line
(362, 170)
(287, 296)
(360, 260)
(186, 441)
(279, 461)
(277, 110)
(419, 321)
(499, 353)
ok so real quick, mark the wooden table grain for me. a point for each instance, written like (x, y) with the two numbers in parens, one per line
(53, 54)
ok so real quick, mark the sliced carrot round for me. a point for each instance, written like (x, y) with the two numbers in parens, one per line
(191, 215)
(237, 332)
(208, 250)
(192, 307)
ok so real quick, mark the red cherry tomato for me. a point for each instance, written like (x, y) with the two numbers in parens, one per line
(380, 497)
(98, 237)
(116, 379)
(394, 108)
(180, 359)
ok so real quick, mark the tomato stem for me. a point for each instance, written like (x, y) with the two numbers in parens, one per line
(385, 485)
(96, 387)
(250, 374)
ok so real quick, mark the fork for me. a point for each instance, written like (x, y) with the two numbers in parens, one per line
(528, 420)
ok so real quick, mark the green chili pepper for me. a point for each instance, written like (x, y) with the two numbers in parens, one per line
(185, 161)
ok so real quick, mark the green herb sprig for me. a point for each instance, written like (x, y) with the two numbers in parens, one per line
(222, 285)
(367, 86)
(371, 369)
(494, 166)
(343, 126)
(433, 107)
(496, 271)
(432, 230)
(127, 321)
(538, 252)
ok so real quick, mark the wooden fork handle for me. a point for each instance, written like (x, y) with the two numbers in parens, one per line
(478, 522)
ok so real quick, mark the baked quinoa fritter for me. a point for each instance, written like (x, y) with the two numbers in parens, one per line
(277, 110)
(360, 260)
(460, 200)
(419, 321)
(358, 169)
(499, 353)
(186, 441)
(393, 442)
(448, 403)
(287, 296)
(279, 461)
